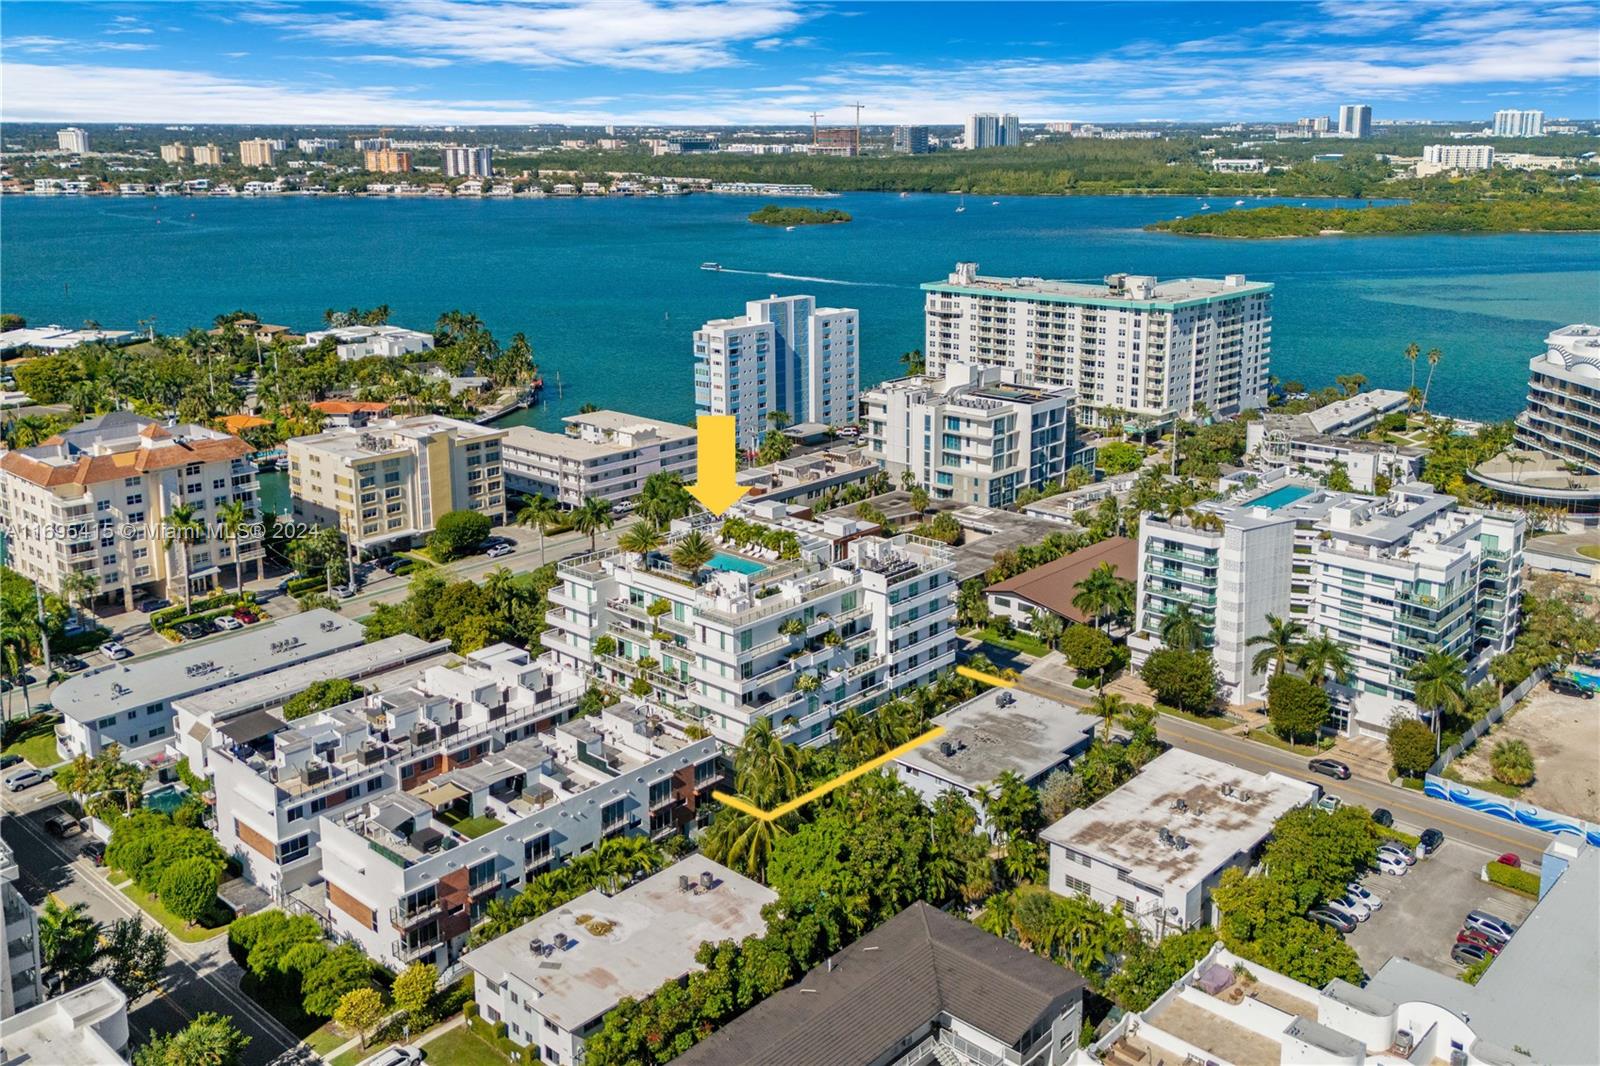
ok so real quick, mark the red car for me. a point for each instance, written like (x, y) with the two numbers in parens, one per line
(1487, 943)
(1510, 859)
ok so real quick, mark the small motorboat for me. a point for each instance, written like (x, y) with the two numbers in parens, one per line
(710, 266)
(1238, 203)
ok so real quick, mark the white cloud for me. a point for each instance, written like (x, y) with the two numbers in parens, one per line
(395, 61)
(663, 35)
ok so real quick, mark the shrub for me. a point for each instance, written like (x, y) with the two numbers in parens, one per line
(1186, 680)
(305, 584)
(170, 616)
(1514, 878)
(1511, 763)
(470, 1009)
(1411, 747)
(1295, 706)
(320, 695)
(458, 532)
(189, 888)
(1088, 649)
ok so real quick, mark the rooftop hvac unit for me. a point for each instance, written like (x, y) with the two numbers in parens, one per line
(1005, 699)
(536, 945)
(706, 880)
(1181, 843)
(683, 883)
(946, 748)
(561, 941)
(1403, 1043)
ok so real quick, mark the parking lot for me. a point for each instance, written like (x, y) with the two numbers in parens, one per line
(1422, 911)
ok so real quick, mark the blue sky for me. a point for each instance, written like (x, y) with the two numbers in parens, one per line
(771, 61)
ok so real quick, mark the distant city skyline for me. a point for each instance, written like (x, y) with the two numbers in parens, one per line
(761, 62)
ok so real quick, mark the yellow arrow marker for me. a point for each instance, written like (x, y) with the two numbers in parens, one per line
(827, 786)
(988, 679)
(716, 486)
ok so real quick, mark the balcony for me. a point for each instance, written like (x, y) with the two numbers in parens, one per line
(1203, 558)
(402, 919)
(485, 888)
(410, 954)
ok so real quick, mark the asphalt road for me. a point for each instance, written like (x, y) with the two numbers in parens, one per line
(199, 977)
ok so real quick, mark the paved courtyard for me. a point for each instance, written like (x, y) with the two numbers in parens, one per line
(1563, 732)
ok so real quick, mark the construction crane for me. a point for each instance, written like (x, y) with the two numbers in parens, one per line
(814, 116)
(858, 105)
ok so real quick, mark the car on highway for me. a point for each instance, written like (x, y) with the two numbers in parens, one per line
(1349, 907)
(1391, 864)
(1488, 943)
(227, 623)
(1468, 954)
(1565, 686)
(25, 779)
(152, 606)
(500, 551)
(1511, 859)
(1489, 925)
(1431, 841)
(1383, 817)
(1405, 855)
(113, 650)
(1330, 768)
(1328, 916)
(1358, 891)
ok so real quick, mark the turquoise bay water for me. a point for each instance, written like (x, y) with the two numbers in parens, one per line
(609, 291)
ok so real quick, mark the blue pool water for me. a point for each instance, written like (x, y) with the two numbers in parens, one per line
(1282, 497)
(165, 800)
(724, 561)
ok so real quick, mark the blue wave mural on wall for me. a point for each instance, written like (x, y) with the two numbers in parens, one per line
(1511, 810)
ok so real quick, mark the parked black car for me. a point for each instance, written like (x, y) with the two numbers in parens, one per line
(1333, 918)
(95, 852)
(1568, 687)
(1383, 817)
(1467, 954)
(151, 606)
(71, 663)
(194, 630)
(1432, 840)
(1331, 768)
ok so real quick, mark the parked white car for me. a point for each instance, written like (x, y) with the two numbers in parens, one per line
(114, 651)
(1373, 901)
(1348, 907)
(1405, 855)
(1392, 864)
(227, 623)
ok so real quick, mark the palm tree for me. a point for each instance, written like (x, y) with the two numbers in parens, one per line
(766, 769)
(641, 538)
(854, 737)
(919, 500)
(1412, 351)
(1434, 355)
(908, 480)
(1322, 657)
(1439, 683)
(742, 842)
(69, 942)
(1103, 595)
(79, 587)
(663, 498)
(1182, 629)
(541, 513)
(1106, 706)
(181, 525)
(778, 420)
(693, 552)
(1281, 642)
(235, 515)
(591, 516)
(1047, 626)
(913, 361)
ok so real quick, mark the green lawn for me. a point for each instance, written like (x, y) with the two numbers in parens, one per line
(174, 925)
(472, 828)
(1022, 643)
(1591, 551)
(1263, 736)
(462, 1047)
(325, 1038)
(1488, 784)
(39, 749)
(1210, 721)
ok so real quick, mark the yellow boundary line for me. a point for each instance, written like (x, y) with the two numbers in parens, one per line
(827, 786)
(988, 679)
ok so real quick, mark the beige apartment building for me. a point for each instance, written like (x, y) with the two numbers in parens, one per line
(174, 153)
(256, 153)
(390, 481)
(206, 155)
(388, 161)
(93, 500)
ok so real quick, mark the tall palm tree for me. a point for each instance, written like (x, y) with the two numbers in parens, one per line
(1182, 629)
(1107, 706)
(182, 525)
(591, 516)
(1280, 644)
(69, 942)
(663, 498)
(1439, 686)
(1412, 351)
(692, 552)
(540, 512)
(854, 737)
(742, 842)
(1434, 355)
(235, 515)
(766, 769)
(919, 500)
(641, 538)
(79, 587)
(1322, 657)
(1103, 595)
(1047, 626)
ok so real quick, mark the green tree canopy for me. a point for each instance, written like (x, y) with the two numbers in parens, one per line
(189, 888)
(457, 533)
(320, 695)
(1186, 680)
(1295, 706)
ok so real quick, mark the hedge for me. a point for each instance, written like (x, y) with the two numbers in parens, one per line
(1400, 836)
(1513, 878)
(168, 616)
(302, 584)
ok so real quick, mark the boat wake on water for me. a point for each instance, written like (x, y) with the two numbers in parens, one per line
(807, 277)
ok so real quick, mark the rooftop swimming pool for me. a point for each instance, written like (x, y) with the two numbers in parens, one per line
(737, 564)
(1282, 497)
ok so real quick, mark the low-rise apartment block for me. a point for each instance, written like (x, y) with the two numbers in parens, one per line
(1364, 462)
(21, 984)
(1132, 347)
(1388, 577)
(602, 455)
(804, 478)
(1159, 844)
(364, 342)
(131, 702)
(552, 982)
(94, 499)
(87, 1026)
(784, 354)
(830, 618)
(389, 482)
(973, 433)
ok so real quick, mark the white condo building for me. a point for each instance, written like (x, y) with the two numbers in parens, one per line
(468, 161)
(20, 971)
(1355, 120)
(87, 1026)
(1457, 157)
(1145, 347)
(93, 499)
(363, 342)
(976, 434)
(831, 618)
(992, 131)
(1511, 122)
(72, 139)
(603, 454)
(783, 354)
(1387, 577)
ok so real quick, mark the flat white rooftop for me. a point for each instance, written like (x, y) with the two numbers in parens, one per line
(655, 929)
(85, 1027)
(192, 668)
(1225, 811)
(990, 734)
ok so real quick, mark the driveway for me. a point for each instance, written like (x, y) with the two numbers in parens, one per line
(1422, 911)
